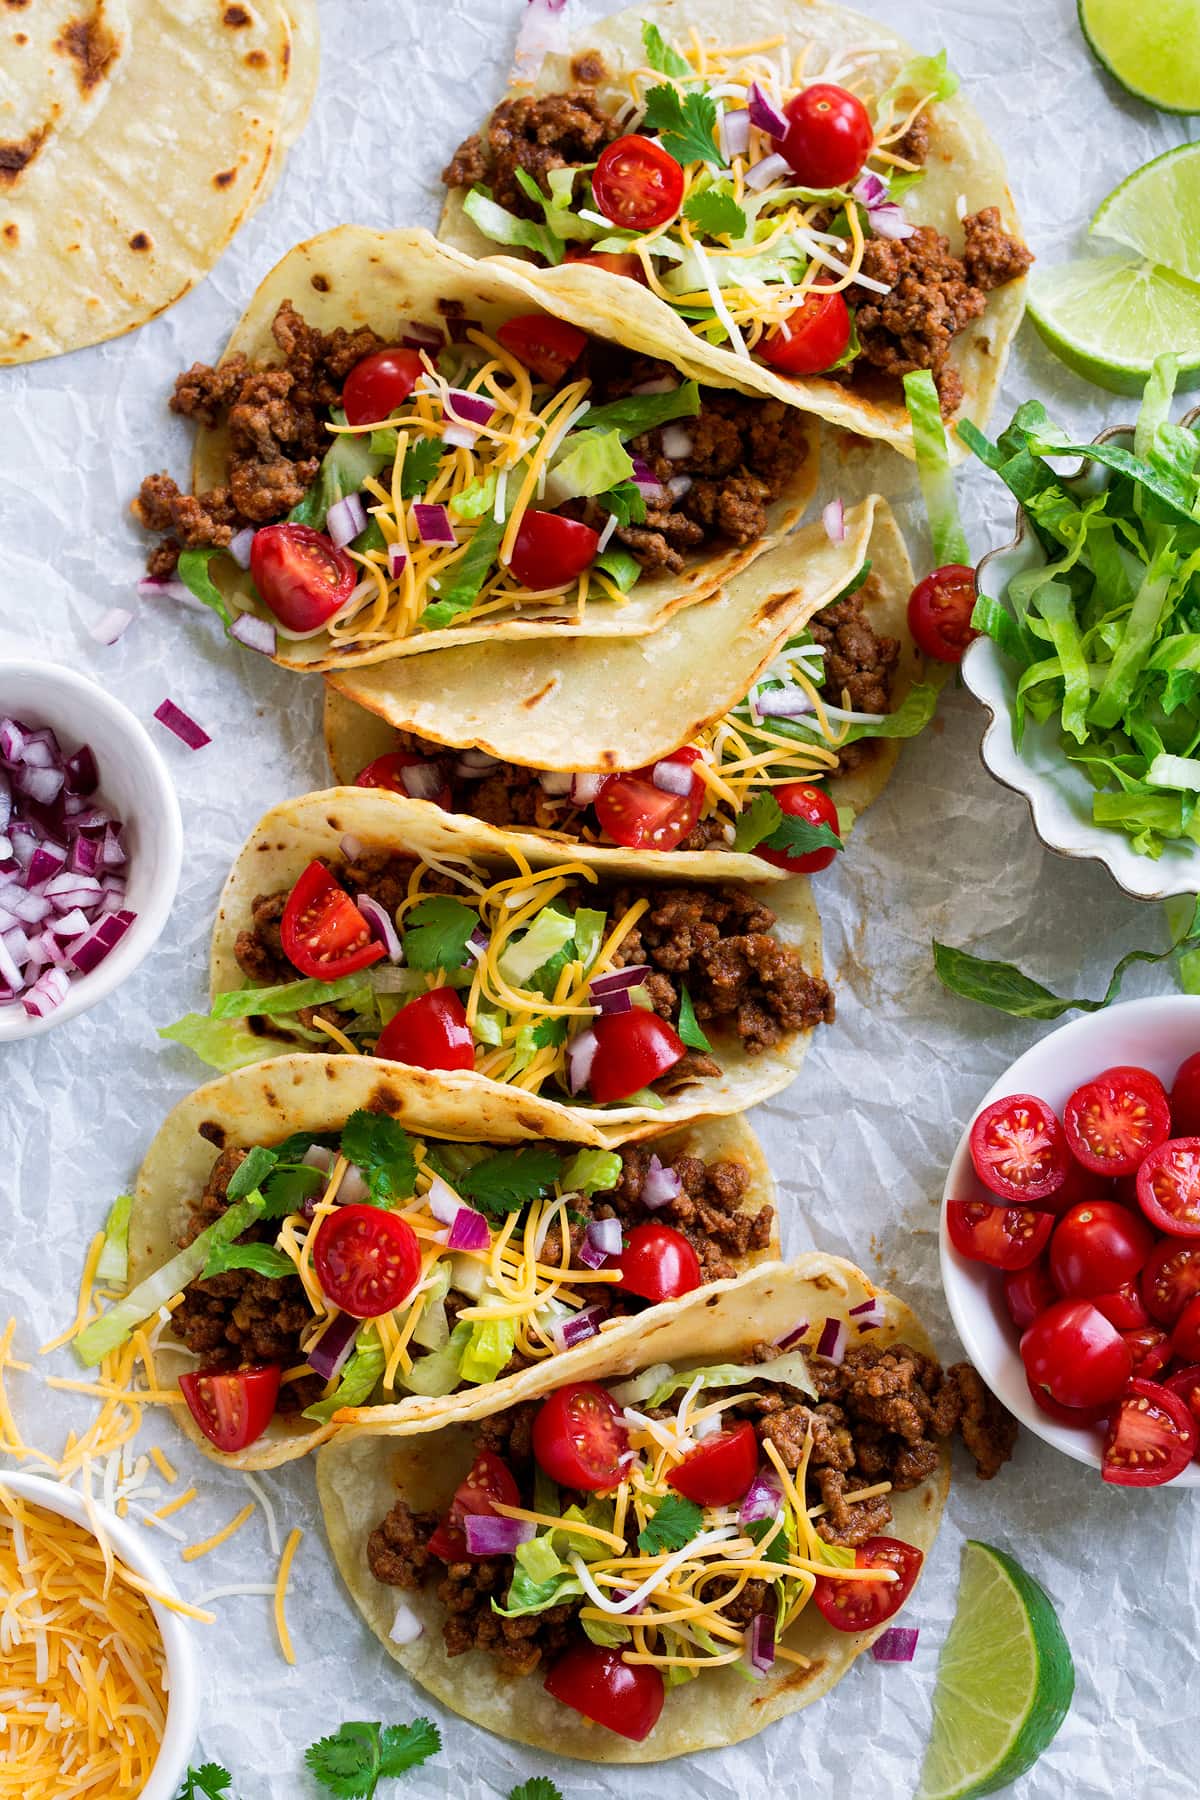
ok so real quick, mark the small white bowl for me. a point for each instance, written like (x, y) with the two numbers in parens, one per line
(1157, 1034)
(1058, 793)
(183, 1696)
(134, 782)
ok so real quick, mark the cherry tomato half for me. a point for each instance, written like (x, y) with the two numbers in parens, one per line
(300, 574)
(545, 345)
(643, 817)
(489, 1478)
(232, 1407)
(1018, 1150)
(657, 1262)
(815, 336)
(623, 1697)
(815, 806)
(1185, 1098)
(1113, 1121)
(829, 135)
(637, 184)
(323, 933)
(1150, 1348)
(367, 1260)
(1186, 1384)
(1004, 1237)
(1028, 1292)
(388, 772)
(939, 612)
(1151, 1438)
(1168, 1187)
(1122, 1307)
(1185, 1333)
(379, 385)
(632, 1050)
(613, 262)
(1097, 1247)
(1076, 1355)
(1170, 1278)
(719, 1471)
(1067, 1415)
(861, 1605)
(550, 551)
(580, 1438)
(431, 1032)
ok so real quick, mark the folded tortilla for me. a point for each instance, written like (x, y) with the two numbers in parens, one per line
(361, 1475)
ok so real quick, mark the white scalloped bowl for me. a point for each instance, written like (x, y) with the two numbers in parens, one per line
(1158, 1034)
(1058, 794)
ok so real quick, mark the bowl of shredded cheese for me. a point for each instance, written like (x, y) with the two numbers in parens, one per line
(98, 1689)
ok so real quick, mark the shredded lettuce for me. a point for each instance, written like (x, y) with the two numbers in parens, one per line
(353, 993)
(922, 76)
(346, 464)
(113, 1266)
(360, 1377)
(933, 469)
(622, 569)
(504, 227)
(439, 1373)
(218, 1045)
(637, 413)
(489, 1349)
(790, 1370)
(590, 462)
(591, 1172)
(550, 931)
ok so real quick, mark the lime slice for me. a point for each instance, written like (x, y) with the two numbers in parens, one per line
(1004, 1683)
(1108, 317)
(1156, 210)
(1152, 49)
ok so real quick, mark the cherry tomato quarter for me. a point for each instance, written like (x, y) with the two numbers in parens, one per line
(1123, 1307)
(301, 575)
(623, 1697)
(815, 337)
(643, 817)
(657, 1263)
(550, 551)
(719, 1471)
(1098, 1247)
(580, 1438)
(367, 1260)
(1186, 1384)
(1018, 1149)
(379, 385)
(1028, 1292)
(1185, 1098)
(232, 1407)
(1151, 1437)
(388, 772)
(322, 931)
(814, 806)
(1150, 1348)
(1076, 1355)
(545, 345)
(829, 135)
(431, 1032)
(1111, 1123)
(861, 1605)
(637, 184)
(1170, 1278)
(1004, 1237)
(939, 612)
(488, 1480)
(632, 1050)
(1168, 1187)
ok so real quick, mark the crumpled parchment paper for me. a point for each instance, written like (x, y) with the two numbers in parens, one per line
(859, 1145)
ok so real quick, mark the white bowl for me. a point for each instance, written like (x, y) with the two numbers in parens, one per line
(134, 782)
(183, 1697)
(1157, 1034)
(1058, 793)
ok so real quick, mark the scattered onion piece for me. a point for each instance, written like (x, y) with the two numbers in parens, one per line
(112, 626)
(833, 518)
(896, 1645)
(185, 728)
(255, 633)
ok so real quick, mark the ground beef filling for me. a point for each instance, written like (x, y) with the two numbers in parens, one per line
(859, 664)
(932, 296)
(557, 131)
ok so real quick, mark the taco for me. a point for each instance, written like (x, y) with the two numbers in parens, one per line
(742, 1495)
(738, 203)
(423, 456)
(339, 1242)
(615, 1001)
(828, 709)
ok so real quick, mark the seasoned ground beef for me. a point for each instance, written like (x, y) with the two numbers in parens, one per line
(932, 295)
(858, 664)
(557, 131)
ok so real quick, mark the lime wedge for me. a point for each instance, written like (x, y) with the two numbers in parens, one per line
(1156, 210)
(1108, 317)
(1153, 49)
(1004, 1683)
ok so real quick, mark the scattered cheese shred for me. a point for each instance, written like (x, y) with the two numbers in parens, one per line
(281, 1587)
(194, 1551)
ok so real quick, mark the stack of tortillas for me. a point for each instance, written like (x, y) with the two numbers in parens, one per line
(136, 136)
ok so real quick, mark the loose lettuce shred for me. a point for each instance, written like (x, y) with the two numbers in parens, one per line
(934, 471)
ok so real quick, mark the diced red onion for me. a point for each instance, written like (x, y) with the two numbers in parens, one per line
(104, 936)
(406, 1626)
(421, 337)
(31, 909)
(433, 523)
(645, 478)
(619, 1002)
(473, 764)
(760, 1644)
(678, 486)
(185, 728)
(239, 546)
(442, 1201)
(793, 1336)
(660, 1185)
(676, 442)
(870, 189)
(86, 854)
(12, 740)
(114, 624)
(543, 32)
(783, 703)
(9, 972)
(112, 853)
(83, 776)
(40, 750)
(478, 942)
(735, 133)
(71, 924)
(382, 926)
(488, 1534)
(672, 777)
(469, 1231)
(617, 980)
(397, 560)
(554, 781)
(68, 890)
(580, 1326)
(889, 222)
(604, 1235)
(55, 952)
(460, 437)
(661, 384)
(48, 991)
(329, 1355)
(831, 1344)
(18, 946)
(351, 847)
(764, 113)
(255, 633)
(163, 587)
(869, 1316)
(763, 1499)
(581, 1053)
(345, 519)
(771, 168)
(319, 1156)
(896, 1645)
(468, 409)
(586, 788)
(42, 786)
(833, 518)
(46, 861)
(422, 780)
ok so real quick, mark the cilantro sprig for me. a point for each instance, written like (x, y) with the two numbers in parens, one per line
(686, 123)
(765, 822)
(436, 933)
(715, 213)
(209, 1780)
(382, 1149)
(353, 1760)
(510, 1179)
(538, 1787)
(674, 1524)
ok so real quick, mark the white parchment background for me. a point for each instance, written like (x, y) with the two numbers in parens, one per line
(859, 1145)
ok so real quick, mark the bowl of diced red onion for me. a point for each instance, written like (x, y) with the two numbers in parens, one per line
(91, 842)
(1071, 1263)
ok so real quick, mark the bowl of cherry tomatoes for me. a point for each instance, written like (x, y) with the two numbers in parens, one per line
(1070, 1241)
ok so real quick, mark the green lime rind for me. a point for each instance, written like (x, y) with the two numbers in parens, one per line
(1004, 1684)
(1108, 318)
(1152, 51)
(1156, 210)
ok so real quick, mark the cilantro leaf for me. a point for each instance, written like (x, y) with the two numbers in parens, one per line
(355, 1758)
(288, 1186)
(209, 1779)
(688, 1026)
(381, 1148)
(675, 1524)
(193, 572)
(405, 1747)
(715, 213)
(756, 822)
(251, 1172)
(436, 932)
(685, 122)
(509, 1180)
(797, 837)
(626, 500)
(420, 466)
(461, 587)
(663, 56)
(264, 1259)
(778, 1549)
(538, 1787)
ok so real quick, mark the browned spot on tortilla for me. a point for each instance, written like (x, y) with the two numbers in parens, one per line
(797, 1678)
(91, 44)
(713, 1300)
(16, 5)
(588, 67)
(139, 241)
(270, 1096)
(534, 699)
(214, 1133)
(11, 234)
(287, 56)
(257, 59)
(14, 157)
(321, 283)
(20, 37)
(333, 822)
(223, 177)
(779, 603)
(236, 16)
